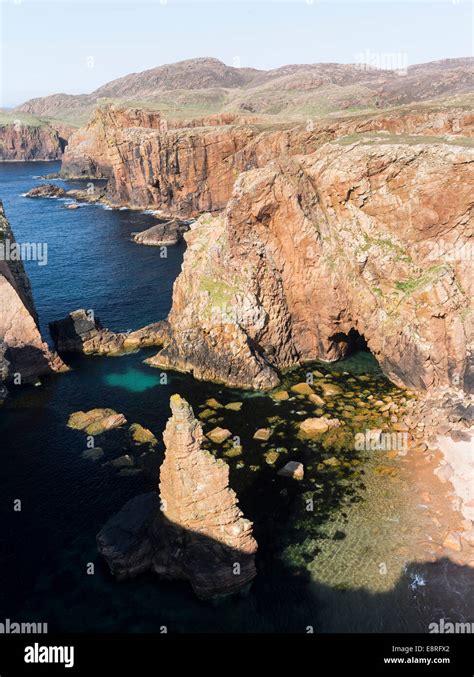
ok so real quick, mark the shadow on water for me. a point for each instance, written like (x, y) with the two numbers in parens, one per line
(66, 499)
(300, 604)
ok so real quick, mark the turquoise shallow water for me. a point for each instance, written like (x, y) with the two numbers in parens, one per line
(133, 380)
(67, 495)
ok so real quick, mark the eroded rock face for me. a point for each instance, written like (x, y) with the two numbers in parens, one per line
(200, 534)
(4, 369)
(365, 237)
(81, 332)
(19, 141)
(187, 168)
(25, 353)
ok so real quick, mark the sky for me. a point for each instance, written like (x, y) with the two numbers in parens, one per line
(74, 46)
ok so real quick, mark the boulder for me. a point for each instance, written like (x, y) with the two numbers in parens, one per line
(292, 469)
(234, 406)
(329, 389)
(316, 426)
(46, 190)
(302, 389)
(262, 434)
(141, 435)
(96, 421)
(163, 234)
(281, 395)
(218, 435)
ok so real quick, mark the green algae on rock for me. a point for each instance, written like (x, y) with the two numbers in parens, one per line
(141, 435)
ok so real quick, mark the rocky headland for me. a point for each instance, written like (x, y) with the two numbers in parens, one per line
(24, 355)
(318, 237)
(309, 256)
(31, 140)
(82, 332)
(195, 530)
(191, 166)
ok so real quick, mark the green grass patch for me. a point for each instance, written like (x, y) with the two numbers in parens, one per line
(220, 292)
(413, 284)
(379, 139)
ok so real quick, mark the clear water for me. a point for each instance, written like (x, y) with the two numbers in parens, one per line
(317, 569)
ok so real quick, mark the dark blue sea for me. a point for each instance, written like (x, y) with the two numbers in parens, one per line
(46, 548)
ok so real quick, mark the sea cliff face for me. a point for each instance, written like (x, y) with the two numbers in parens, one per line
(21, 142)
(344, 227)
(187, 168)
(25, 356)
(365, 238)
(184, 168)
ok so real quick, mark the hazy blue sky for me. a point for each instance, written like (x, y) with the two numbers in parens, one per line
(75, 46)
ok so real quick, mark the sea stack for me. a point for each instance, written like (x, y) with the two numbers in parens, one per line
(197, 533)
(218, 545)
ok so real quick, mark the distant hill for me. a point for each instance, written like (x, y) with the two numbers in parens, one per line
(205, 86)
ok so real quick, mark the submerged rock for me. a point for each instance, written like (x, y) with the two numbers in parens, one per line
(219, 435)
(262, 434)
(232, 452)
(124, 461)
(281, 395)
(93, 454)
(292, 469)
(316, 426)
(329, 389)
(199, 534)
(302, 389)
(213, 403)
(271, 457)
(234, 406)
(315, 399)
